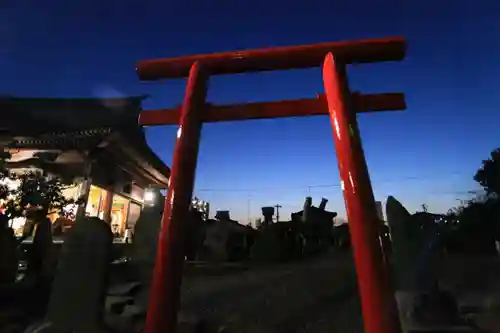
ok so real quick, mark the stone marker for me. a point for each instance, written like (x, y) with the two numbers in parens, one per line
(144, 245)
(8, 254)
(405, 244)
(39, 268)
(420, 301)
(77, 299)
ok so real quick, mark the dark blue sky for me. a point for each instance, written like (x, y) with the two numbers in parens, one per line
(427, 154)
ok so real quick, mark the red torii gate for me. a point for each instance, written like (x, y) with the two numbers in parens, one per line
(377, 298)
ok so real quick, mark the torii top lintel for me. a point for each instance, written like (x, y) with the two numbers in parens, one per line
(278, 58)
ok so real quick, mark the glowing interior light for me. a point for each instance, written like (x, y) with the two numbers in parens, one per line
(149, 196)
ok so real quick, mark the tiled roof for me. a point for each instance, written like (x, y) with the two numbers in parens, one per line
(47, 114)
(76, 139)
(77, 123)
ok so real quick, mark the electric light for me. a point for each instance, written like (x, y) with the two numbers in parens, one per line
(149, 197)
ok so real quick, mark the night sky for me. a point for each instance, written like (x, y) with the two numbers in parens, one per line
(427, 154)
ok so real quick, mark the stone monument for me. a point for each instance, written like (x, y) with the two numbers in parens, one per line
(145, 244)
(415, 255)
(80, 282)
(40, 264)
(8, 254)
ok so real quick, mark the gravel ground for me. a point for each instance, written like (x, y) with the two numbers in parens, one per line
(318, 295)
(314, 296)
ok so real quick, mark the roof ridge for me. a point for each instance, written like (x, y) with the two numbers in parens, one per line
(71, 99)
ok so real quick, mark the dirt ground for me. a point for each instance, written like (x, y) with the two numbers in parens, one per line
(316, 296)
(319, 295)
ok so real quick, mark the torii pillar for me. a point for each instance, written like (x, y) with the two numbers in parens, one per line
(377, 297)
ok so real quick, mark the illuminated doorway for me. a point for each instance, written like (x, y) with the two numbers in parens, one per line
(119, 214)
(95, 204)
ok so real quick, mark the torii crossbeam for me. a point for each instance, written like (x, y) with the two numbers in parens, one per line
(377, 298)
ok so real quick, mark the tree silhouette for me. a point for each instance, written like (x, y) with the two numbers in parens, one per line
(488, 176)
(4, 173)
(475, 223)
(35, 190)
(41, 192)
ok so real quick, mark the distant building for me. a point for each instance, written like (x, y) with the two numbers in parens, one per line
(312, 213)
(96, 143)
(223, 236)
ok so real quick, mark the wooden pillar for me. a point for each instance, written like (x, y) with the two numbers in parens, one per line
(377, 299)
(87, 182)
(164, 296)
(107, 205)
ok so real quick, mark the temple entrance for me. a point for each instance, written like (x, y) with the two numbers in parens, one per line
(377, 298)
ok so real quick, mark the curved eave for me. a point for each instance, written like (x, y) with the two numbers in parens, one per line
(144, 162)
(156, 177)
